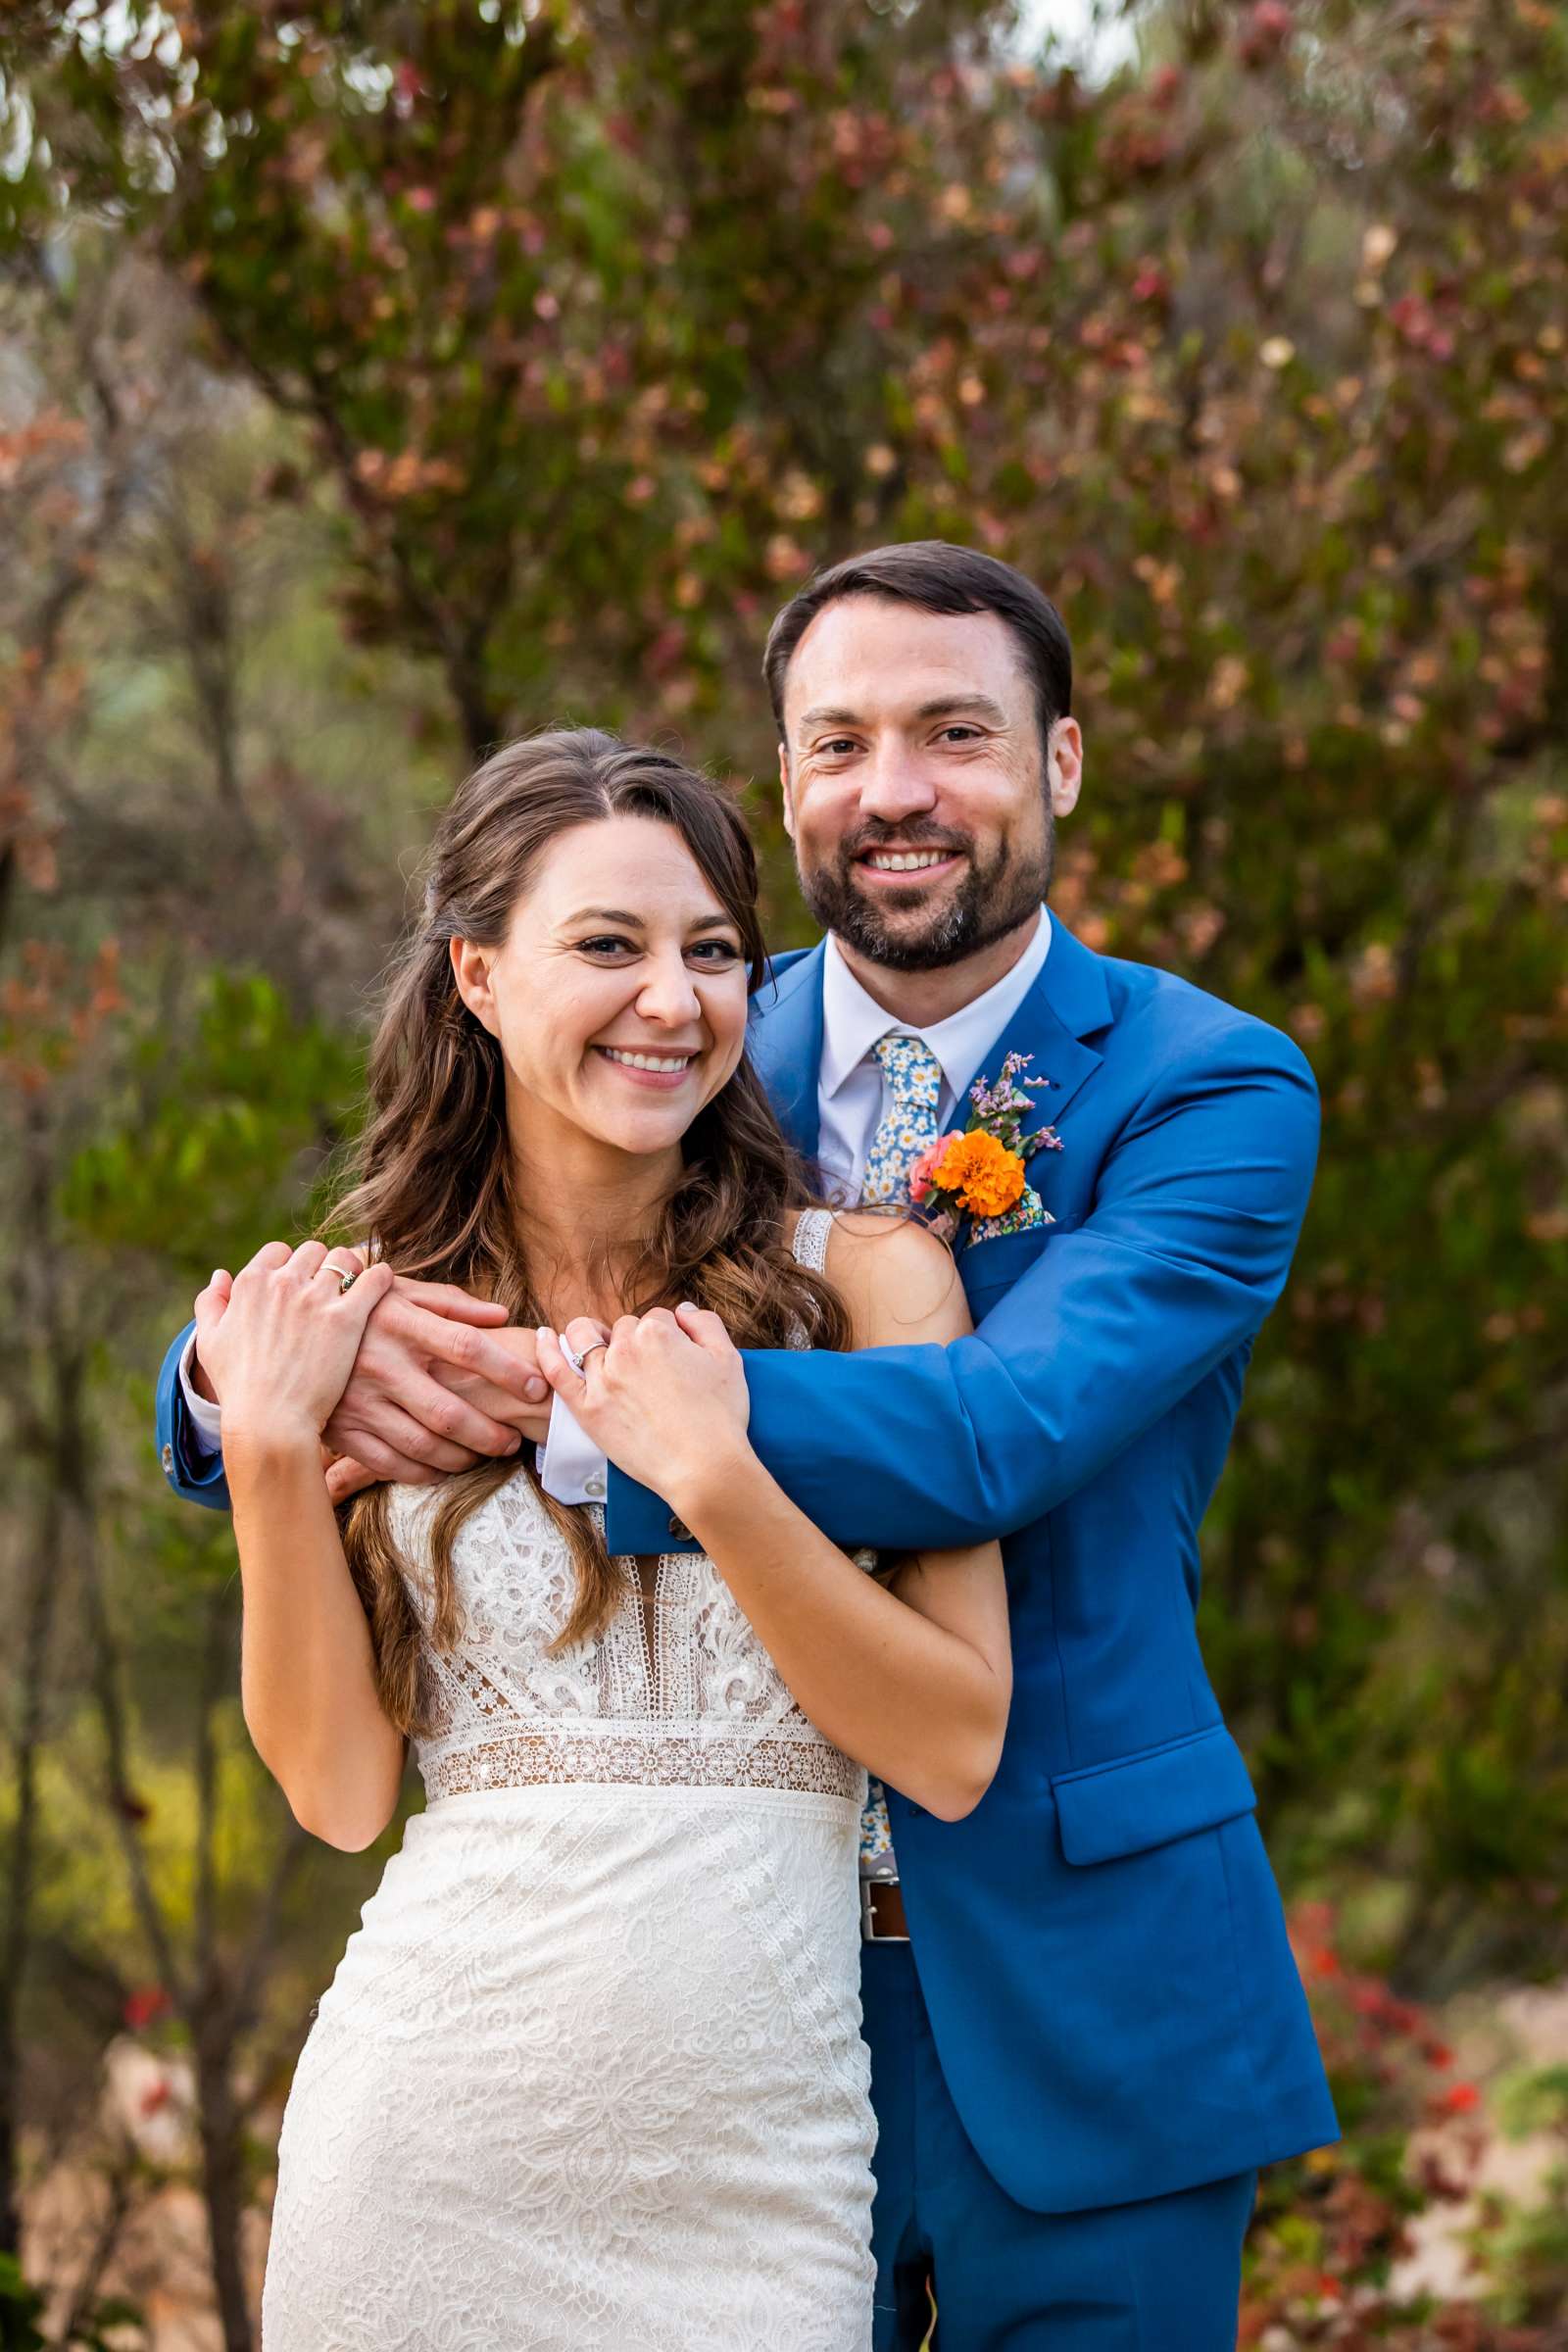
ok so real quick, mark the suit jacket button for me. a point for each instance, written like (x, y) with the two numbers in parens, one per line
(166, 1457)
(679, 1529)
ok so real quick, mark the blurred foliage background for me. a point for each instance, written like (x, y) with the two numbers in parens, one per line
(377, 380)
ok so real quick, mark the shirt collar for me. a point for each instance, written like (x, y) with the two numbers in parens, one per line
(852, 1020)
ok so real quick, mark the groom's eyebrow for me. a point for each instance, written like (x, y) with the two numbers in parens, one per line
(978, 705)
(946, 705)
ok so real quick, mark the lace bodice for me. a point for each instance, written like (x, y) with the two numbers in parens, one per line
(697, 1700)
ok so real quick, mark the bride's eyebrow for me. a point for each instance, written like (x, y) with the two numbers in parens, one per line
(635, 922)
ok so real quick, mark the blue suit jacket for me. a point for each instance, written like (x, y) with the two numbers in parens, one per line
(1101, 1943)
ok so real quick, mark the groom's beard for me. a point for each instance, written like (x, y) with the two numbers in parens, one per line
(989, 899)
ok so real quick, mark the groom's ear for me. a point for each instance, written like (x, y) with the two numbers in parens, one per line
(1064, 765)
(784, 786)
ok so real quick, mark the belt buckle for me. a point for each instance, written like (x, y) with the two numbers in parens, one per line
(870, 1889)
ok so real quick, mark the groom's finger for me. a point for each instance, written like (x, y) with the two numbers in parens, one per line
(426, 1423)
(465, 1346)
(446, 1298)
(345, 1477)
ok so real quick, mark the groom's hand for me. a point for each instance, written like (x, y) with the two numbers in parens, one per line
(437, 1387)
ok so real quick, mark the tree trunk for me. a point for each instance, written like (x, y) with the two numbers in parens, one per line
(53, 1437)
(222, 2178)
(44, 1580)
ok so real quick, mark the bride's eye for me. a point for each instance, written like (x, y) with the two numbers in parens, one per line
(606, 944)
(716, 954)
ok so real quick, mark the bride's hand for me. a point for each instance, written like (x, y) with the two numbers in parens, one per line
(666, 1399)
(281, 1346)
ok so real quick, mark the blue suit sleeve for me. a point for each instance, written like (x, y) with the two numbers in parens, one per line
(1185, 1250)
(195, 1474)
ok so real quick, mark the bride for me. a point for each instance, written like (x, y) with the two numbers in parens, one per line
(589, 2074)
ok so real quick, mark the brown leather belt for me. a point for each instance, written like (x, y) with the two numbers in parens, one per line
(882, 1918)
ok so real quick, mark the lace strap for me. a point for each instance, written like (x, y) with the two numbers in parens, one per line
(810, 1238)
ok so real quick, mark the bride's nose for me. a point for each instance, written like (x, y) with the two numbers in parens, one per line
(668, 994)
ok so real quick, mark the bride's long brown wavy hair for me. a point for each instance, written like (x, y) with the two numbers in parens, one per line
(432, 1178)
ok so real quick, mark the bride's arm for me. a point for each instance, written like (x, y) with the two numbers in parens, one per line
(278, 1351)
(913, 1680)
(307, 1673)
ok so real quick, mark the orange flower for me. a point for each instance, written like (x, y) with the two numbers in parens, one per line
(984, 1175)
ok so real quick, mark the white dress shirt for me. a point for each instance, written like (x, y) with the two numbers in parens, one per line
(850, 1084)
(849, 1097)
(206, 1430)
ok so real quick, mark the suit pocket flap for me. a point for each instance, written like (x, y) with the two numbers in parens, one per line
(988, 1268)
(1193, 1783)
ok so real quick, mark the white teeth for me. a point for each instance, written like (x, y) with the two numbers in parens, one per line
(907, 861)
(647, 1061)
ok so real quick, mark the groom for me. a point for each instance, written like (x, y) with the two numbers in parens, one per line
(1086, 2027)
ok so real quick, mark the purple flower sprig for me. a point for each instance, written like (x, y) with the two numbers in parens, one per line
(1002, 1107)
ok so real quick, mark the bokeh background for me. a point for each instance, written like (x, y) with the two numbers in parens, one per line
(380, 378)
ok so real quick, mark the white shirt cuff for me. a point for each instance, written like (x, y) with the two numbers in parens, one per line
(205, 1427)
(571, 1467)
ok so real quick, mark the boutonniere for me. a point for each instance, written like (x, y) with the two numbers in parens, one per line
(980, 1171)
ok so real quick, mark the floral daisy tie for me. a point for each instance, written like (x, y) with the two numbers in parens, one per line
(911, 1086)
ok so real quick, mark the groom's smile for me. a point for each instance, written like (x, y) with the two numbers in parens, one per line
(908, 868)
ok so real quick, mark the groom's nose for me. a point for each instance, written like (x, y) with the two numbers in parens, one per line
(895, 783)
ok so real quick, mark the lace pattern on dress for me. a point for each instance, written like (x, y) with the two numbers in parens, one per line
(524, 1759)
(697, 1703)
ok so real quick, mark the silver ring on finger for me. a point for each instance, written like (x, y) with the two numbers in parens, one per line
(347, 1276)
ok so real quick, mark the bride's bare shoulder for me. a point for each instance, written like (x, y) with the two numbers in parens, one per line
(897, 1280)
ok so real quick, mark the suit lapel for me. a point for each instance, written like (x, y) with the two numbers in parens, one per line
(785, 1046)
(1067, 1004)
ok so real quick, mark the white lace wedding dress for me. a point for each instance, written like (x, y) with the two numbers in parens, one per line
(589, 2077)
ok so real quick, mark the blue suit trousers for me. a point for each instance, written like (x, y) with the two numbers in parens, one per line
(1164, 2275)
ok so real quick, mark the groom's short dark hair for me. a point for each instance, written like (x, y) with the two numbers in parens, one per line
(940, 578)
